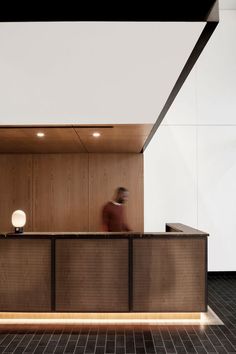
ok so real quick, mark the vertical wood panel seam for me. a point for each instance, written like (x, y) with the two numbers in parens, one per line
(88, 192)
(142, 184)
(32, 192)
(197, 165)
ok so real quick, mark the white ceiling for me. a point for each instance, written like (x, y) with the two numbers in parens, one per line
(227, 4)
(90, 72)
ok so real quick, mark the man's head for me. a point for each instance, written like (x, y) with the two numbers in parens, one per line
(122, 195)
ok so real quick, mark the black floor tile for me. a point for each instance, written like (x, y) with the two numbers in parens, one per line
(158, 342)
(120, 340)
(101, 350)
(101, 340)
(141, 350)
(195, 340)
(180, 350)
(90, 347)
(129, 345)
(176, 339)
(228, 346)
(37, 336)
(19, 350)
(214, 340)
(200, 350)
(221, 350)
(60, 350)
(51, 346)
(208, 346)
(12, 345)
(43, 341)
(80, 350)
(7, 340)
(160, 350)
(189, 347)
(147, 335)
(70, 347)
(39, 350)
(73, 337)
(169, 346)
(183, 335)
(149, 346)
(82, 340)
(31, 346)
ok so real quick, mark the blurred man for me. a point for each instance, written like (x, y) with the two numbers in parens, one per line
(113, 213)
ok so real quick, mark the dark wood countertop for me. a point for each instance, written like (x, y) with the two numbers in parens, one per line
(178, 227)
(177, 230)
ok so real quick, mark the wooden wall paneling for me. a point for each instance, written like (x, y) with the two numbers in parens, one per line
(169, 274)
(15, 189)
(25, 277)
(106, 173)
(60, 192)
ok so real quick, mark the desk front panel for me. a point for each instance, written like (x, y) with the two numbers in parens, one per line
(25, 277)
(92, 275)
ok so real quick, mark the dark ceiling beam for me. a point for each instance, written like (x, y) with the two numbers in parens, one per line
(211, 23)
(179, 10)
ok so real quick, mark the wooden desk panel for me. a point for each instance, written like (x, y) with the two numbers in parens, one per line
(25, 277)
(169, 275)
(92, 275)
(104, 272)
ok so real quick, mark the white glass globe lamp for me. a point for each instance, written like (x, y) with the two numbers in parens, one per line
(18, 220)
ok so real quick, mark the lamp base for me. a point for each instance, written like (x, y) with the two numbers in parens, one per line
(19, 230)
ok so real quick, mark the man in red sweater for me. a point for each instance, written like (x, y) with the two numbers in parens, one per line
(113, 213)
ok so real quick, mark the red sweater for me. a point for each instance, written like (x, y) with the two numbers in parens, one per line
(113, 217)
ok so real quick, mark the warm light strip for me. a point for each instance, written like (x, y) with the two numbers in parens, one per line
(140, 316)
(89, 318)
(63, 321)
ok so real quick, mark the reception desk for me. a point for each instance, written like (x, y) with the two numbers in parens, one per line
(104, 272)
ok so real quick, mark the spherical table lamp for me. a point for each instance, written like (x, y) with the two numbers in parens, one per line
(18, 220)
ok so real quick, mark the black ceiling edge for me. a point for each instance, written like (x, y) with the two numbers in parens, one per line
(213, 20)
(181, 10)
(52, 126)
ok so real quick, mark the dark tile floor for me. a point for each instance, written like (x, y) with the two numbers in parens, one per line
(139, 340)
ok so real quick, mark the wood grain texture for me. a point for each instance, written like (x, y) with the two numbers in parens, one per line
(66, 192)
(115, 129)
(106, 173)
(72, 139)
(92, 275)
(116, 144)
(25, 277)
(15, 189)
(60, 192)
(169, 275)
(118, 138)
(25, 140)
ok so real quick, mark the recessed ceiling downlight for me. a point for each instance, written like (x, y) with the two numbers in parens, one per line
(96, 134)
(40, 135)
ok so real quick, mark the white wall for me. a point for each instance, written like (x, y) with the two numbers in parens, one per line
(190, 165)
